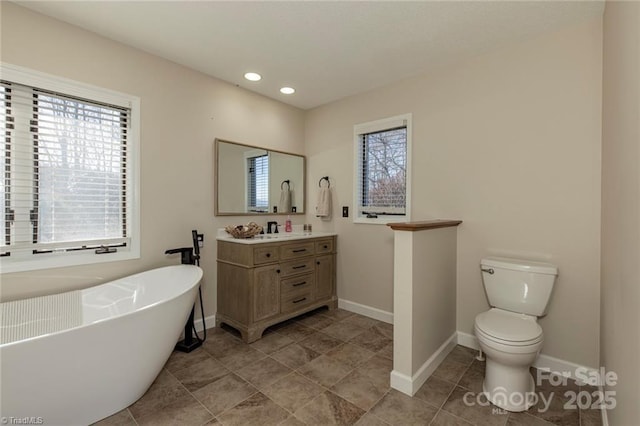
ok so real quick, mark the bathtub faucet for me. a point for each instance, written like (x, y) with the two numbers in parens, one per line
(186, 253)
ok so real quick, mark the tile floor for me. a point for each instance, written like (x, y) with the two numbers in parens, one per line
(324, 368)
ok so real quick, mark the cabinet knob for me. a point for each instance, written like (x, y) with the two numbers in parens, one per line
(277, 271)
(326, 246)
(317, 262)
(268, 255)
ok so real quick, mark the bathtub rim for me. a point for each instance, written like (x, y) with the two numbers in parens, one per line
(149, 306)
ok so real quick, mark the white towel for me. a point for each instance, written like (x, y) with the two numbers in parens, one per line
(285, 201)
(323, 208)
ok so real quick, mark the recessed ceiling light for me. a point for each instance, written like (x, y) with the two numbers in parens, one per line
(288, 90)
(253, 76)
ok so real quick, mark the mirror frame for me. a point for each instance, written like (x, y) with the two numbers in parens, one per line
(216, 211)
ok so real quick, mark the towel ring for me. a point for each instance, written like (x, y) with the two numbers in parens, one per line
(324, 178)
(287, 182)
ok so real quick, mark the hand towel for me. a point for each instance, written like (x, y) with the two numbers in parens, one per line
(285, 201)
(323, 207)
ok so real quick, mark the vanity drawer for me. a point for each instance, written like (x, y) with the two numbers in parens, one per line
(292, 302)
(297, 267)
(324, 246)
(265, 254)
(292, 251)
(299, 284)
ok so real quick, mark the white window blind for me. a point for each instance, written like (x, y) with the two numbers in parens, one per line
(4, 210)
(258, 188)
(65, 172)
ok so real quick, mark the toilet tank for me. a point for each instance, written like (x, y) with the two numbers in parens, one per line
(516, 285)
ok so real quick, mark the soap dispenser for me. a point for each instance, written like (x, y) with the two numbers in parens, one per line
(287, 224)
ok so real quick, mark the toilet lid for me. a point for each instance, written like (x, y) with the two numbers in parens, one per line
(508, 326)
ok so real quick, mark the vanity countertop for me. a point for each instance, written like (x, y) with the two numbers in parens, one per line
(273, 238)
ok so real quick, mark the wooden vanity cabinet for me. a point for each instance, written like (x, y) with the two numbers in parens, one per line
(262, 284)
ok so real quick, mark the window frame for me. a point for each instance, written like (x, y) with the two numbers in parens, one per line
(71, 88)
(403, 120)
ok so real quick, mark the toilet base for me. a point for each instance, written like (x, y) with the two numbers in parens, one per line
(508, 387)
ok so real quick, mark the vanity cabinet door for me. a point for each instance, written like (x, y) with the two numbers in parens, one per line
(325, 266)
(266, 292)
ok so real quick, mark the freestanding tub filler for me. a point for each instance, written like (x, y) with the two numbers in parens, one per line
(77, 357)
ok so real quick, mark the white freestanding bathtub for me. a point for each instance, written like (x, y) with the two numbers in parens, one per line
(77, 357)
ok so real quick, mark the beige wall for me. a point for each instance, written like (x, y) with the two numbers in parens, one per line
(182, 113)
(509, 142)
(620, 291)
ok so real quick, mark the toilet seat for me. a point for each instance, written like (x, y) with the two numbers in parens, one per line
(508, 328)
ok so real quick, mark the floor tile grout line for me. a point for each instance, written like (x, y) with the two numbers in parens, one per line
(441, 407)
(455, 385)
(377, 417)
(451, 414)
(132, 418)
(284, 408)
(240, 402)
(193, 396)
(463, 387)
(351, 402)
(328, 389)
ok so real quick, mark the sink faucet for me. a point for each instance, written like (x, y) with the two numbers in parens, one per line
(269, 227)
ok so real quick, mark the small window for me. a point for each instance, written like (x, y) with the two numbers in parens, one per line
(382, 151)
(69, 158)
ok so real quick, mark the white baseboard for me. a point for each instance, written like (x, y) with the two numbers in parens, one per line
(210, 320)
(401, 382)
(468, 340)
(365, 310)
(411, 385)
(543, 362)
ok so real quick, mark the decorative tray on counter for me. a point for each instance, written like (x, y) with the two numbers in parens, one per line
(249, 230)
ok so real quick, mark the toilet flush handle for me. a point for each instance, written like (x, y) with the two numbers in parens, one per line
(488, 271)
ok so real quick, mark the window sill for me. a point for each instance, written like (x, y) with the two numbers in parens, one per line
(60, 260)
(384, 220)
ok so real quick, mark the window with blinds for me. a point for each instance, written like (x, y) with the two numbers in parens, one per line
(67, 183)
(6, 167)
(381, 180)
(258, 183)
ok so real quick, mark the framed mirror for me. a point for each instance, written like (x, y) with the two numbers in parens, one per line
(252, 180)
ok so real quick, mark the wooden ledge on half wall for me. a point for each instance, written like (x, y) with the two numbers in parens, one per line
(423, 225)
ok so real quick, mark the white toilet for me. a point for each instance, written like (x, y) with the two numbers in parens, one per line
(508, 333)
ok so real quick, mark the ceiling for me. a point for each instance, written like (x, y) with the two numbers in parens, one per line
(325, 50)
